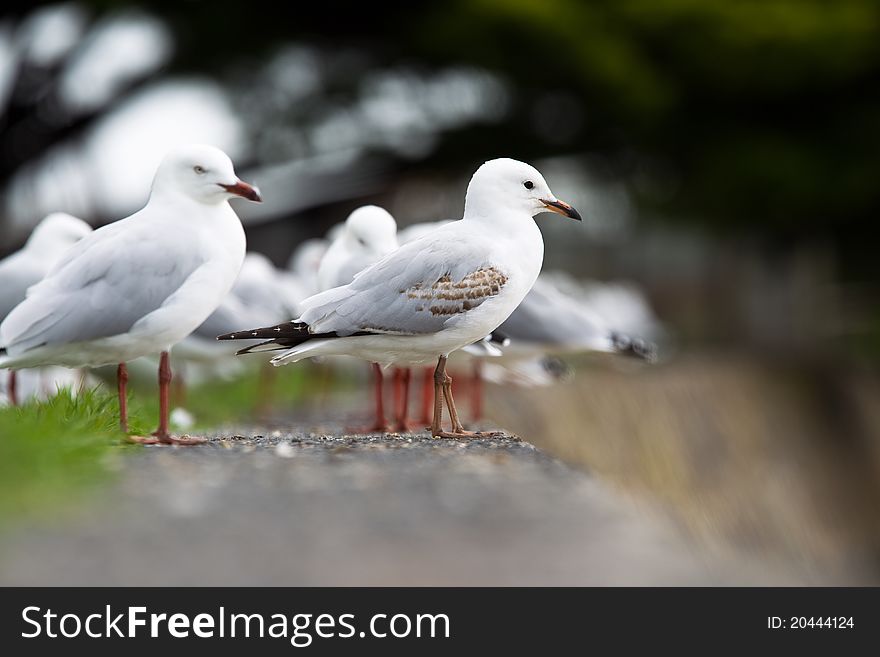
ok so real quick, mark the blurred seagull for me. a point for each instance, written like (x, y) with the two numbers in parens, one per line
(142, 284)
(304, 263)
(19, 271)
(437, 294)
(557, 317)
(368, 234)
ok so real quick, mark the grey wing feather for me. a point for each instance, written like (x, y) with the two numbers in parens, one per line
(17, 273)
(414, 290)
(104, 294)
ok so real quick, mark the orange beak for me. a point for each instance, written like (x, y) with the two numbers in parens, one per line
(559, 207)
(241, 188)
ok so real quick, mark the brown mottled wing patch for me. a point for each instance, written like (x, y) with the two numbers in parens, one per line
(447, 297)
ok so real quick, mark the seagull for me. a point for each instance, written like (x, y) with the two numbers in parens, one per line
(367, 235)
(139, 285)
(19, 271)
(436, 294)
(303, 264)
(415, 231)
(557, 317)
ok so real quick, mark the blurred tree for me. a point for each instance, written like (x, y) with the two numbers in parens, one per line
(755, 116)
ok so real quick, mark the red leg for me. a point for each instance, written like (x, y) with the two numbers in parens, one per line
(402, 378)
(439, 379)
(11, 389)
(161, 433)
(379, 380)
(427, 399)
(477, 391)
(121, 383)
(164, 383)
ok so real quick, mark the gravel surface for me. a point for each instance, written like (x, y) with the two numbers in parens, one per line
(262, 507)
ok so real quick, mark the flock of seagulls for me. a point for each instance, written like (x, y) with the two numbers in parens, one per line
(175, 275)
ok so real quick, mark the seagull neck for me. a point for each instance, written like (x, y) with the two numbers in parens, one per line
(172, 195)
(505, 222)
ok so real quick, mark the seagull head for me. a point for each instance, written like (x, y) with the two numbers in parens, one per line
(509, 186)
(371, 230)
(57, 232)
(203, 173)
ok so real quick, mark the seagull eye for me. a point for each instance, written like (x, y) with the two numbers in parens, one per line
(199, 169)
(528, 184)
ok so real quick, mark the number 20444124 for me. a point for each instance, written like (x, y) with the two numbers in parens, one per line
(809, 622)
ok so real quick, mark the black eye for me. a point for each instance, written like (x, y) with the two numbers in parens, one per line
(199, 169)
(528, 184)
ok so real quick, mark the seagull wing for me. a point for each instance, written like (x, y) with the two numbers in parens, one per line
(17, 273)
(415, 290)
(112, 279)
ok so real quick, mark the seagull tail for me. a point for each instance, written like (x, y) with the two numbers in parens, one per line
(281, 336)
(291, 337)
(300, 352)
(260, 347)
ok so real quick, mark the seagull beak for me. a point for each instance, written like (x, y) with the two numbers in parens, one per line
(559, 207)
(241, 188)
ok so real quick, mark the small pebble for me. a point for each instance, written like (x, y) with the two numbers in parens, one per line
(284, 450)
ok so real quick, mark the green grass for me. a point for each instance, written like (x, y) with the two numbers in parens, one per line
(51, 451)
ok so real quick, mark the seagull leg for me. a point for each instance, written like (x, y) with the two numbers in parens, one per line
(402, 377)
(442, 381)
(439, 379)
(11, 388)
(477, 391)
(161, 433)
(121, 384)
(425, 411)
(379, 382)
(164, 382)
(457, 427)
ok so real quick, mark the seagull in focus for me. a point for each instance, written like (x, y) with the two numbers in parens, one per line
(436, 294)
(260, 293)
(139, 285)
(415, 231)
(19, 271)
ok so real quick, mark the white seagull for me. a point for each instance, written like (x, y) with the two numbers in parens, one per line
(142, 284)
(19, 271)
(437, 294)
(367, 235)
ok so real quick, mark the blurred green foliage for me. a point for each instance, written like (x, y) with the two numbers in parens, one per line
(758, 114)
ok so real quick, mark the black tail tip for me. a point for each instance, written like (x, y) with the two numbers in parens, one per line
(239, 335)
